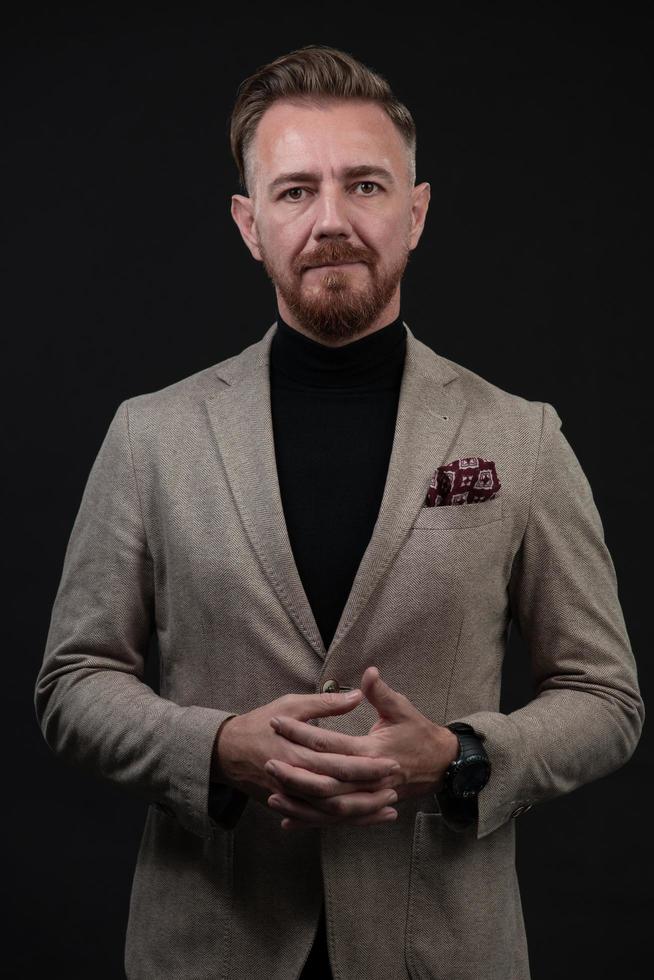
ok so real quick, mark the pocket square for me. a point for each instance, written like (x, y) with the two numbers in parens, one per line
(463, 481)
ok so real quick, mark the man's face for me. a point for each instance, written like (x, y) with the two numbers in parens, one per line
(331, 215)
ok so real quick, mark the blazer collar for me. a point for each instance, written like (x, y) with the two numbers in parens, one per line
(429, 414)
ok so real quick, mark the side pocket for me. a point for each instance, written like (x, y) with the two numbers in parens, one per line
(464, 914)
(180, 915)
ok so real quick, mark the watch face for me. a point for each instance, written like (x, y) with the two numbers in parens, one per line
(470, 778)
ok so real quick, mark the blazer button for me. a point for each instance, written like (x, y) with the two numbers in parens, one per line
(333, 687)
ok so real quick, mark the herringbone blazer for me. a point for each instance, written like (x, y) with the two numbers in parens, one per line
(181, 531)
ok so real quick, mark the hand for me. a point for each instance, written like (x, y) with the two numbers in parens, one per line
(422, 748)
(246, 742)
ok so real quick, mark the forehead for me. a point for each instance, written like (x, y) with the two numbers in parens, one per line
(333, 133)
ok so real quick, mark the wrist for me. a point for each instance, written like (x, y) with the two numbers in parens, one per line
(447, 750)
(220, 755)
(452, 747)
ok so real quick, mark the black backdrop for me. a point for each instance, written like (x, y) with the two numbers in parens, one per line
(124, 272)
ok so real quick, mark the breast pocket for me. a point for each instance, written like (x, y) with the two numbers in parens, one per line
(463, 543)
(452, 516)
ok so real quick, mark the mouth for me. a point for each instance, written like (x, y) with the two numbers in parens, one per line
(331, 265)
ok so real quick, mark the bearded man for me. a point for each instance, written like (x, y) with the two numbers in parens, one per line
(331, 534)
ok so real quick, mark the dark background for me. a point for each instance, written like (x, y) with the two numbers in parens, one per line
(124, 272)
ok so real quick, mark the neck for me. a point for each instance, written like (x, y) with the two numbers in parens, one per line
(389, 315)
(375, 359)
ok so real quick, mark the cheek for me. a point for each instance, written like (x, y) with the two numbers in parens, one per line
(388, 237)
(285, 242)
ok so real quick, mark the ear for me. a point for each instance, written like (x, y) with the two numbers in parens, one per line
(243, 214)
(420, 196)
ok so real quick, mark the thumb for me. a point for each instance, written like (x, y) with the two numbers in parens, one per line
(388, 702)
(329, 703)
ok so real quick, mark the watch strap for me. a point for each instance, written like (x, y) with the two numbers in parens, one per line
(459, 812)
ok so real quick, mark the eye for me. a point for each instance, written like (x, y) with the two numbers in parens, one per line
(367, 183)
(360, 183)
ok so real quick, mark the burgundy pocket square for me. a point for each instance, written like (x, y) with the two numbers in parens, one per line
(463, 481)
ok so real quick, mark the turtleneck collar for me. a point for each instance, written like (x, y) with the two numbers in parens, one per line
(376, 359)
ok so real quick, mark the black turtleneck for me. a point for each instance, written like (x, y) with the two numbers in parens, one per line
(334, 411)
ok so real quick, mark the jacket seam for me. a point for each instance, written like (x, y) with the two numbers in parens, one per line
(533, 475)
(136, 482)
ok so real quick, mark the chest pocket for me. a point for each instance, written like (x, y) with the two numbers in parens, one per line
(452, 516)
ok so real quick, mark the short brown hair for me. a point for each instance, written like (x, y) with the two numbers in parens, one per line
(311, 74)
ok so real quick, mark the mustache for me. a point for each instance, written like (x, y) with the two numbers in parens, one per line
(332, 253)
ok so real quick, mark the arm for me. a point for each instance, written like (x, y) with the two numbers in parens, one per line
(91, 702)
(588, 714)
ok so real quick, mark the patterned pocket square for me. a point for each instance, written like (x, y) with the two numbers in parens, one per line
(463, 481)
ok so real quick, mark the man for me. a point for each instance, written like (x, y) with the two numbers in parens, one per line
(332, 533)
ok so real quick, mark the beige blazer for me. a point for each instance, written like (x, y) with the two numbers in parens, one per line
(181, 530)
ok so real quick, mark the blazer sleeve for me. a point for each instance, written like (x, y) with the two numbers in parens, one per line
(587, 716)
(93, 707)
(226, 804)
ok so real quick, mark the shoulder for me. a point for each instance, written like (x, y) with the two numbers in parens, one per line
(182, 402)
(487, 401)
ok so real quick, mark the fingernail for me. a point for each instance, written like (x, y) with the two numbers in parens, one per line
(395, 768)
(269, 767)
(351, 695)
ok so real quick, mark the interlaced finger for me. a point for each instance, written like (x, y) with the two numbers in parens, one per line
(352, 808)
(310, 785)
(333, 753)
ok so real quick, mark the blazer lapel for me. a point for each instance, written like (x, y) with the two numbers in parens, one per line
(430, 411)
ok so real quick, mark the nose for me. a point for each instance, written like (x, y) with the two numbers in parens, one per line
(331, 214)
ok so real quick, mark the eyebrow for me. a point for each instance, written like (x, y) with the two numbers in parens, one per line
(362, 170)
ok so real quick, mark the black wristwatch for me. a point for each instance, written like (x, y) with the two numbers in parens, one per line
(470, 771)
